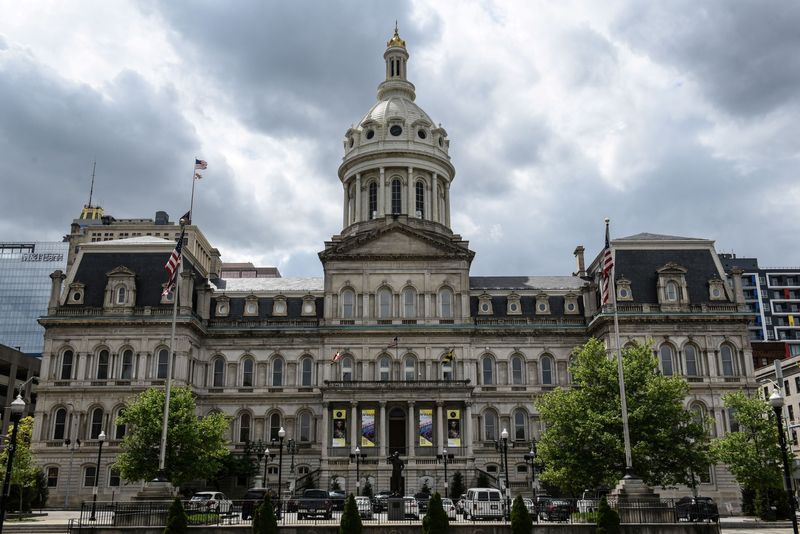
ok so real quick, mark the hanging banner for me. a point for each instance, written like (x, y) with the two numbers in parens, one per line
(368, 427)
(426, 427)
(339, 428)
(453, 428)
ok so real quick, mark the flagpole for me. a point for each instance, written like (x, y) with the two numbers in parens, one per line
(191, 200)
(620, 371)
(162, 457)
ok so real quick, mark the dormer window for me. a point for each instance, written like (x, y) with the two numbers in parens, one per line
(76, 292)
(121, 295)
(542, 304)
(120, 288)
(672, 289)
(279, 308)
(309, 306)
(485, 304)
(514, 307)
(624, 293)
(571, 304)
(223, 307)
(251, 306)
(716, 289)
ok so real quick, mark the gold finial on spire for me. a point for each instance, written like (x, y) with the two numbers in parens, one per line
(395, 40)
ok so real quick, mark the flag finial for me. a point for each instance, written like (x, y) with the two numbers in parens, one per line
(607, 220)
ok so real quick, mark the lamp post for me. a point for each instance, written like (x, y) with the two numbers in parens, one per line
(444, 457)
(291, 448)
(776, 401)
(357, 455)
(281, 435)
(72, 446)
(268, 456)
(502, 447)
(101, 438)
(17, 407)
(530, 460)
(260, 448)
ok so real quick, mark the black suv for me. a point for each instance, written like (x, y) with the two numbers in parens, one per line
(696, 509)
(251, 499)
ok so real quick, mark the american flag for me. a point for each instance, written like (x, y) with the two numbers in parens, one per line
(200, 164)
(336, 357)
(172, 265)
(607, 265)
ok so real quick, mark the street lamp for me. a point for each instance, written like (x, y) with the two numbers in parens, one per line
(357, 455)
(530, 460)
(291, 448)
(502, 447)
(776, 401)
(444, 457)
(101, 438)
(17, 407)
(281, 435)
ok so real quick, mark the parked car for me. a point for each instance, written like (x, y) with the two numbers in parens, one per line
(210, 501)
(696, 509)
(555, 510)
(364, 506)
(251, 500)
(529, 506)
(422, 500)
(449, 508)
(314, 502)
(411, 508)
(483, 503)
(379, 501)
(337, 499)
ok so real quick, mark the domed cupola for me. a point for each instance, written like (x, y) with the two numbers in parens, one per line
(396, 162)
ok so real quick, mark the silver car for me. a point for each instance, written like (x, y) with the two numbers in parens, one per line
(364, 506)
(449, 508)
(210, 501)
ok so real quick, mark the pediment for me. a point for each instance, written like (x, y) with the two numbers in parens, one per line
(397, 241)
(120, 271)
(672, 268)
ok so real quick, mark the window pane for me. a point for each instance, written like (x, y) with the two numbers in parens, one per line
(396, 196)
(547, 370)
(52, 477)
(373, 200)
(66, 365)
(219, 373)
(727, 360)
(691, 360)
(420, 198)
(347, 368)
(102, 365)
(163, 362)
(305, 377)
(277, 372)
(409, 303)
(88, 476)
(97, 423)
(127, 365)
(58, 428)
(490, 426)
(305, 427)
(666, 360)
(516, 370)
(247, 373)
(384, 303)
(488, 379)
(446, 303)
(384, 369)
(274, 426)
(410, 369)
(348, 300)
(244, 428)
(519, 425)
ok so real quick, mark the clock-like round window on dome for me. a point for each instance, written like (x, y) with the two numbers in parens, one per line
(485, 307)
(571, 306)
(715, 292)
(370, 134)
(623, 293)
(396, 130)
(542, 307)
(513, 307)
(422, 134)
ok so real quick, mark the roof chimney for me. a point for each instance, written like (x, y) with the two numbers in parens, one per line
(581, 264)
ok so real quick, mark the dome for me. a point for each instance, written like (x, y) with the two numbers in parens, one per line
(394, 108)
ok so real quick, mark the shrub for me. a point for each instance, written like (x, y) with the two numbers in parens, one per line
(483, 480)
(351, 520)
(607, 519)
(456, 486)
(367, 491)
(521, 522)
(177, 522)
(264, 519)
(435, 520)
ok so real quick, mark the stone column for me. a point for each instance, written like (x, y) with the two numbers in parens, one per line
(383, 432)
(435, 198)
(439, 427)
(412, 204)
(57, 280)
(447, 205)
(324, 433)
(346, 205)
(468, 429)
(381, 194)
(358, 198)
(412, 431)
(354, 425)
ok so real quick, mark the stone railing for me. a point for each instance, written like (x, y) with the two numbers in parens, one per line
(395, 384)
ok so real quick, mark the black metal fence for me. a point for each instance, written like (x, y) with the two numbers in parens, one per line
(374, 511)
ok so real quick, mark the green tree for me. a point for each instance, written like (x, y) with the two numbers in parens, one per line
(607, 519)
(435, 520)
(264, 519)
(367, 491)
(351, 520)
(425, 488)
(177, 521)
(582, 446)
(521, 522)
(457, 486)
(335, 486)
(483, 480)
(195, 447)
(752, 453)
(24, 473)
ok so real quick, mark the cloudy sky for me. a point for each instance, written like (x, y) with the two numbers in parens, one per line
(673, 117)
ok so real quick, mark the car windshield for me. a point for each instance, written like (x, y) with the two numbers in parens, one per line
(201, 497)
(315, 494)
(447, 501)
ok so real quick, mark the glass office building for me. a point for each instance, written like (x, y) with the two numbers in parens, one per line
(25, 290)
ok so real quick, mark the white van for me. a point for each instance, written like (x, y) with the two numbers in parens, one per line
(483, 503)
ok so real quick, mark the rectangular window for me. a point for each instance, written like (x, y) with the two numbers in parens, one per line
(790, 409)
(786, 390)
(52, 477)
(88, 476)
(113, 478)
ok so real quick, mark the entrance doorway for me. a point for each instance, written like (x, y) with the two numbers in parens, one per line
(397, 431)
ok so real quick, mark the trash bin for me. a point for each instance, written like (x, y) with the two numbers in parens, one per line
(396, 510)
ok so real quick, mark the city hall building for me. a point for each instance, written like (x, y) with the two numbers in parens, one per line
(395, 349)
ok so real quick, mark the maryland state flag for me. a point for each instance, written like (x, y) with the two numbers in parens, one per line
(448, 356)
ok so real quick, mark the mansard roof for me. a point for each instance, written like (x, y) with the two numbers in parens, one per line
(270, 285)
(526, 282)
(647, 236)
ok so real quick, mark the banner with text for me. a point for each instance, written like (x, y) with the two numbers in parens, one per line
(453, 428)
(426, 427)
(339, 428)
(368, 427)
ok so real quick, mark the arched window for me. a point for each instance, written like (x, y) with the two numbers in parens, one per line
(520, 425)
(305, 426)
(97, 423)
(244, 428)
(690, 357)
(102, 365)
(409, 303)
(699, 414)
(247, 373)
(446, 303)
(384, 303)
(666, 360)
(348, 304)
(726, 357)
(121, 295)
(347, 368)
(384, 369)
(396, 197)
(306, 369)
(410, 369)
(517, 370)
(66, 365)
(219, 373)
(672, 291)
(60, 423)
(274, 426)
(52, 477)
(120, 428)
(277, 371)
(126, 371)
(547, 370)
(490, 426)
(447, 370)
(163, 363)
(420, 195)
(487, 368)
(373, 200)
